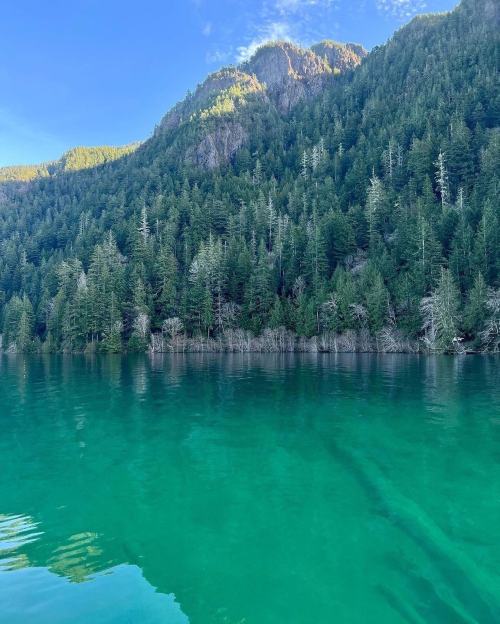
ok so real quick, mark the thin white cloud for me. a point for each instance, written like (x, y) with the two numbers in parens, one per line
(289, 20)
(218, 57)
(401, 9)
(270, 32)
(294, 6)
(302, 21)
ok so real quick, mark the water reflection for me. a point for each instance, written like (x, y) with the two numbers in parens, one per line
(69, 589)
(238, 482)
(16, 532)
(74, 560)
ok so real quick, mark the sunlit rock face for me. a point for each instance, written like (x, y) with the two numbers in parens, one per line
(279, 75)
(214, 86)
(289, 73)
(276, 63)
(340, 57)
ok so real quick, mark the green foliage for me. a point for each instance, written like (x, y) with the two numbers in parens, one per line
(377, 193)
(440, 312)
(18, 325)
(227, 101)
(476, 311)
(73, 160)
(86, 157)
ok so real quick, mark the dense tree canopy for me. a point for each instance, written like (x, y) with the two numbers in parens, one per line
(372, 208)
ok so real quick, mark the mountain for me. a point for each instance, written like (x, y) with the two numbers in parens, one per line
(224, 109)
(307, 199)
(72, 160)
(280, 74)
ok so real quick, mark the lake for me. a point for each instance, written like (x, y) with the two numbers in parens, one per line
(249, 489)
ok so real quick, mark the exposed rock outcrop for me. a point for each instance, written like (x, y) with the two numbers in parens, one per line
(216, 84)
(274, 63)
(340, 57)
(280, 74)
(283, 71)
(288, 73)
(218, 146)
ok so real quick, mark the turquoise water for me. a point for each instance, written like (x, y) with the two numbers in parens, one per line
(251, 489)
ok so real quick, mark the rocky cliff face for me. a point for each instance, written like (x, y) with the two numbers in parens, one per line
(218, 115)
(340, 57)
(218, 146)
(288, 73)
(230, 81)
(280, 74)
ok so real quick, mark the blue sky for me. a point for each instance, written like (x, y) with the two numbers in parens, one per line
(90, 72)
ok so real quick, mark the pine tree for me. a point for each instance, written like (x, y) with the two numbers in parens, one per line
(440, 314)
(144, 226)
(112, 333)
(476, 312)
(277, 316)
(374, 203)
(377, 299)
(487, 244)
(442, 180)
(207, 315)
(24, 335)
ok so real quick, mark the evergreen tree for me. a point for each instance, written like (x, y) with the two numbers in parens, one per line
(476, 312)
(338, 214)
(440, 314)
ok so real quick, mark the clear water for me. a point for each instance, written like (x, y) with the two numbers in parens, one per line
(249, 489)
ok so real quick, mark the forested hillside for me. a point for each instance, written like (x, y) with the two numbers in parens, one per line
(73, 160)
(287, 204)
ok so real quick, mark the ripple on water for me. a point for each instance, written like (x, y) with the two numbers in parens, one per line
(16, 531)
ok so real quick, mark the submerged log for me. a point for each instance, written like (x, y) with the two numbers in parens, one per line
(476, 597)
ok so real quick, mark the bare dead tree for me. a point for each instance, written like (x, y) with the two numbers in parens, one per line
(490, 336)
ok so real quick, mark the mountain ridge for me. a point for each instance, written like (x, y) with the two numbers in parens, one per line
(74, 159)
(279, 72)
(365, 217)
(249, 78)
